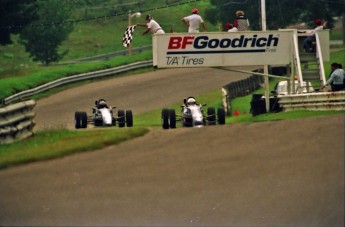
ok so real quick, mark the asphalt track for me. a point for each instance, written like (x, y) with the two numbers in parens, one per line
(140, 93)
(284, 173)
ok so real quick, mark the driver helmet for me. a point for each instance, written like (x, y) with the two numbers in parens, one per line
(102, 103)
(191, 101)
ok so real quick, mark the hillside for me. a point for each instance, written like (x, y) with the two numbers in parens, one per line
(102, 35)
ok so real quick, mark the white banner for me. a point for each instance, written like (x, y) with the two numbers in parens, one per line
(222, 49)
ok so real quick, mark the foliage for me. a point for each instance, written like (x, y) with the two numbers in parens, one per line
(13, 14)
(11, 85)
(42, 42)
(92, 37)
(279, 13)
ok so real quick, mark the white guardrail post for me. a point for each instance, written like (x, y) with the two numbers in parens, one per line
(313, 101)
(16, 121)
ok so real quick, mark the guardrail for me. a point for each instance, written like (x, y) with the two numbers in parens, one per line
(313, 101)
(16, 121)
(75, 78)
(105, 56)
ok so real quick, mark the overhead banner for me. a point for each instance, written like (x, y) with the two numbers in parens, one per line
(222, 49)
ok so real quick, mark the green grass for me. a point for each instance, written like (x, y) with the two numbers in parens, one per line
(58, 143)
(336, 35)
(95, 37)
(89, 38)
(12, 85)
(241, 104)
(55, 144)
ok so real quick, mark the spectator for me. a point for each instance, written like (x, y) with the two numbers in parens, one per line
(230, 28)
(193, 22)
(241, 22)
(307, 42)
(337, 77)
(152, 26)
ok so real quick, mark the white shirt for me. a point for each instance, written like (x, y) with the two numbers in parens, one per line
(234, 29)
(316, 29)
(337, 77)
(153, 26)
(194, 22)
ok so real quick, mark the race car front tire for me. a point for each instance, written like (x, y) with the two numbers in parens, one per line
(121, 116)
(83, 119)
(172, 118)
(221, 116)
(129, 118)
(80, 120)
(77, 120)
(211, 116)
(165, 119)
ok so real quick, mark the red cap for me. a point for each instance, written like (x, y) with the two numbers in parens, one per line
(195, 10)
(228, 25)
(318, 21)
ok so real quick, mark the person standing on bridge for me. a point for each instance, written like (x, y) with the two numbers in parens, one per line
(241, 22)
(152, 26)
(193, 22)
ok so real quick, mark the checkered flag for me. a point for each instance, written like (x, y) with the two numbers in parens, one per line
(128, 36)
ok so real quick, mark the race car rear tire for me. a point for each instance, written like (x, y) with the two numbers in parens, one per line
(121, 116)
(129, 118)
(77, 120)
(83, 116)
(211, 116)
(172, 118)
(165, 119)
(221, 116)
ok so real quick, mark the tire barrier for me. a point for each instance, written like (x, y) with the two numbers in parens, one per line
(239, 89)
(16, 121)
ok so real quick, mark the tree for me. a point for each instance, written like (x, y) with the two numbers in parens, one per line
(14, 15)
(279, 13)
(43, 37)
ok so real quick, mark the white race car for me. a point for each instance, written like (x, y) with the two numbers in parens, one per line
(102, 115)
(192, 115)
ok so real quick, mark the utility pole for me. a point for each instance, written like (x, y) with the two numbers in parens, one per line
(266, 78)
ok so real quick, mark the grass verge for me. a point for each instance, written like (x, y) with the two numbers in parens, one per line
(12, 85)
(55, 144)
(58, 143)
(241, 104)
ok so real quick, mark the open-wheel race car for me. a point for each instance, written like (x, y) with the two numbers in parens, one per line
(192, 115)
(102, 115)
